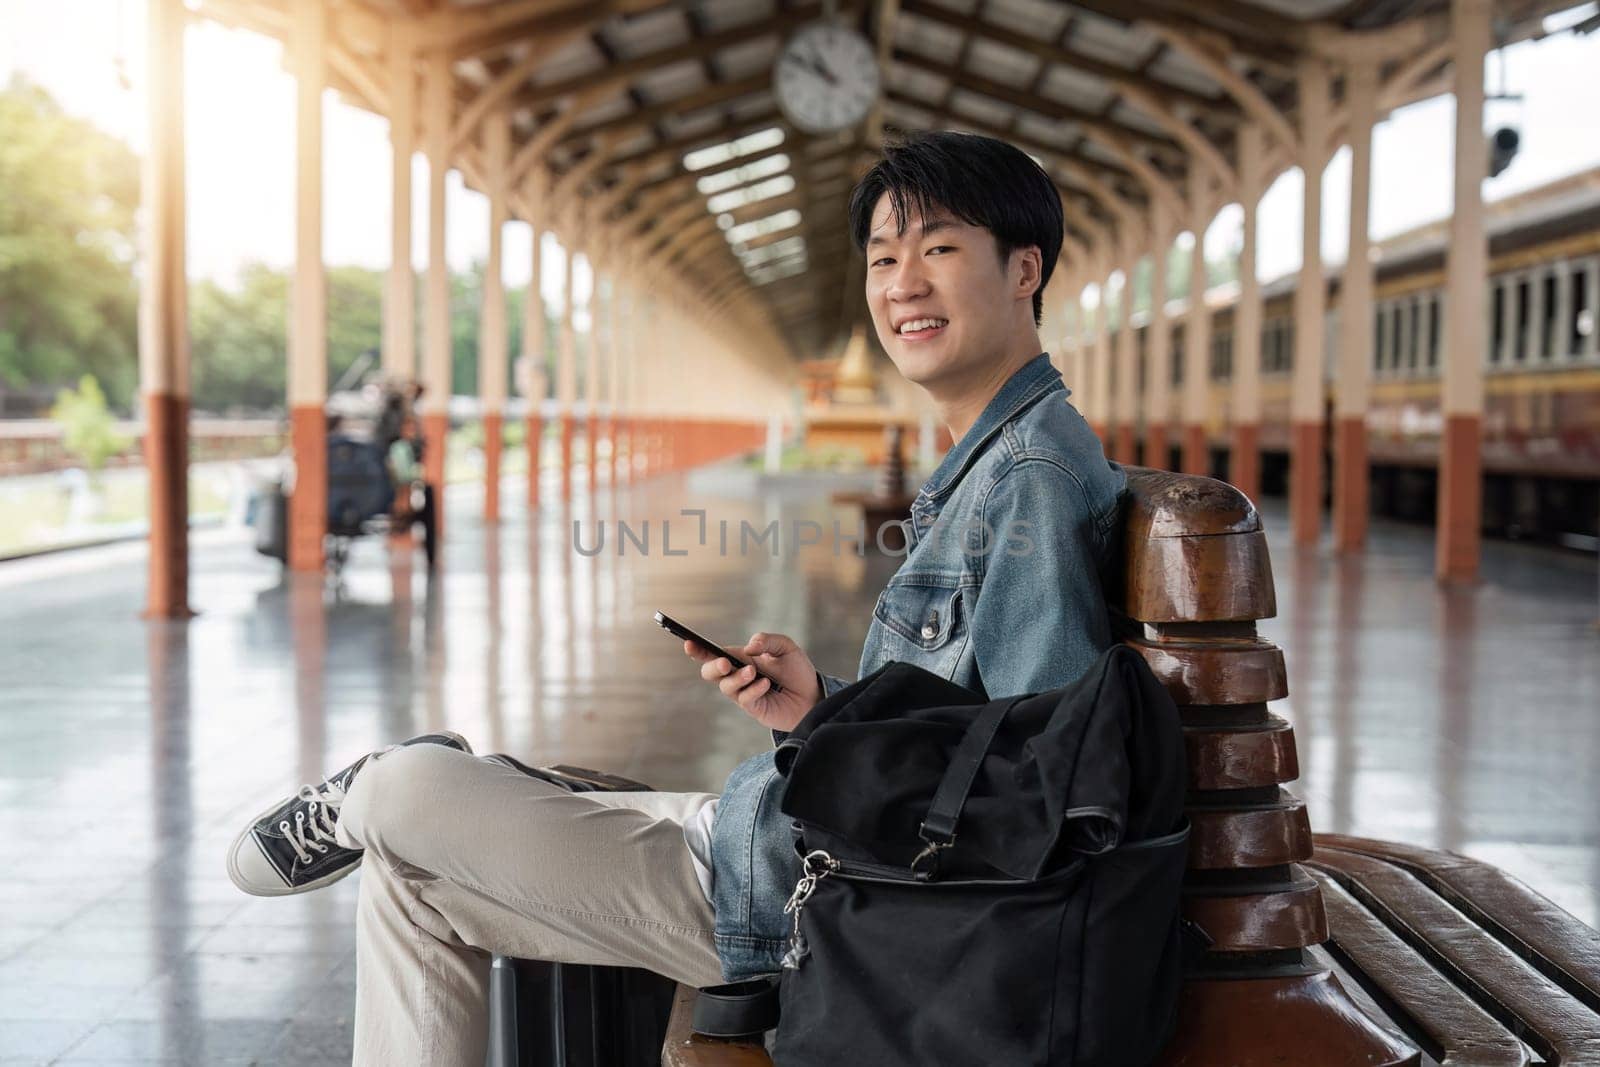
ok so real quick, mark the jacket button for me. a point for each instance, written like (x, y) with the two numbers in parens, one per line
(930, 629)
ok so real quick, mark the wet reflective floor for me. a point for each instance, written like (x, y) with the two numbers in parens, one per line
(131, 753)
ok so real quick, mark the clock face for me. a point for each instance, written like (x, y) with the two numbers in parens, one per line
(826, 79)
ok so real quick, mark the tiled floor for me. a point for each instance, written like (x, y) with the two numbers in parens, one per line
(132, 752)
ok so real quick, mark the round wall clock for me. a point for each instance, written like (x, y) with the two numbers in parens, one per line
(826, 79)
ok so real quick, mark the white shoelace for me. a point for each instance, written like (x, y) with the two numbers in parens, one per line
(313, 826)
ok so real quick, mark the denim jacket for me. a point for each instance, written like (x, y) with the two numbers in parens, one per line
(999, 591)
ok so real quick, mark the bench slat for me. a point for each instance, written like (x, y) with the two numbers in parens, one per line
(1539, 1011)
(1451, 1019)
(1554, 941)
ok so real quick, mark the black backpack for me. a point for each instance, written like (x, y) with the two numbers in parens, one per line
(985, 883)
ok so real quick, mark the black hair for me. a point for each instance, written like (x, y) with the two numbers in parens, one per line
(979, 180)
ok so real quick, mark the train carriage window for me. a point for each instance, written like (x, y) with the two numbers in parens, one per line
(1433, 331)
(1547, 318)
(1519, 319)
(1580, 325)
(1222, 355)
(1141, 348)
(1377, 338)
(1497, 326)
(1413, 333)
(1397, 321)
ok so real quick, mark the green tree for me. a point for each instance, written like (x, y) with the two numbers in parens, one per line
(88, 429)
(239, 337)
(68, 301)
(238, 341)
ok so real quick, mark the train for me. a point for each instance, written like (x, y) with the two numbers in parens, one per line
(1541, 419)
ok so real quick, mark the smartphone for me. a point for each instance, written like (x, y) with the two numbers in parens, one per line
(678, 629)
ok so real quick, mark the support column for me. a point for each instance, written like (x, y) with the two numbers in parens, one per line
(1126, 400)
(1306, 415)
(1158, 343)
(164, 319)
(1355, 321)
(533, 354)
(436, 310)
(1460, 510)
(492, 351)
(1062, 353)
(621, 354)
(591, 378)
(1244, 466)
(566, 374)
(1100, 362)
(1197, 330)
(308, 340)
(399, 307)
(646, 401)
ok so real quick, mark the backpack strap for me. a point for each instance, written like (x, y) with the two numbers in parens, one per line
(938, 827)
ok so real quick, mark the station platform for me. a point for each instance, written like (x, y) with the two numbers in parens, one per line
(132, 752)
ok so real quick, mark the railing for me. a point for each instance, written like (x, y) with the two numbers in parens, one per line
(33, 446)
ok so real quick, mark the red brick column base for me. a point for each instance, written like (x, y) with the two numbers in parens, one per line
(1196, 457)
(1155, 446)
(166, 457)
(1350, 483)
(1458, 529)
(308, 506)
(1244, 465)
(494, 440)
(1305, 482)
(435, 438)
(1127, 450)
(535, 436)
(566, 454)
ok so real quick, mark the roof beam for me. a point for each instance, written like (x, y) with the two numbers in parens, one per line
(470, 31)
(682, 146)
(1027, 144)
(643, 118)
(1038, 105)
(534, 149)
(1249, 96)
(506, 83)
(1257, 44)
(1171, 95)
(696, 48)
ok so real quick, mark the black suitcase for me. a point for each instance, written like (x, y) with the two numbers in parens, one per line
(570, 1015)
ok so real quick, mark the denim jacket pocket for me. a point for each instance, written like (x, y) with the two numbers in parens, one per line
(923, 621)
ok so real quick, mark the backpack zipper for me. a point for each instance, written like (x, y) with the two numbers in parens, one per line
(818, 865)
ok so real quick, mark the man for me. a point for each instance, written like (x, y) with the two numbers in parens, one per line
(999, 591)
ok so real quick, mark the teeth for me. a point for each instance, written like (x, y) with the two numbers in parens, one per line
(922, 324)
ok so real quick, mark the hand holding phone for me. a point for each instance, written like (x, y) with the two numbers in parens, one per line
(760, 695)
(678, 629)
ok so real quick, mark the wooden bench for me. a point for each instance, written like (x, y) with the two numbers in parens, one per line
(1327, 950)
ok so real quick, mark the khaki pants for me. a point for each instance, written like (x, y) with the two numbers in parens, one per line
(465, 858)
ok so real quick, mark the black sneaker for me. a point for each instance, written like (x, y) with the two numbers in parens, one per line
(290, 848)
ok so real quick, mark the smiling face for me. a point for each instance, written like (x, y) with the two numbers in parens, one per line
(949, 310)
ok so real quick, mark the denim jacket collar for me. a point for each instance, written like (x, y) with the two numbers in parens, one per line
(1031, 381)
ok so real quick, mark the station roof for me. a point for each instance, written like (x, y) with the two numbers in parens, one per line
(661, 113)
